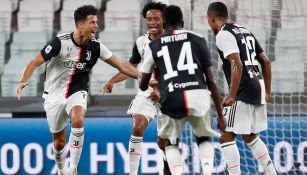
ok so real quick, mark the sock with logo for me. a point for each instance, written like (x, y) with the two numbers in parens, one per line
(174, 160)
(232, 157)
(59, 158)
(261, 154)
(135, 153)
(206, 155)
(76, 140)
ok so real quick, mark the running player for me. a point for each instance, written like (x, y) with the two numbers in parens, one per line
(70, 58)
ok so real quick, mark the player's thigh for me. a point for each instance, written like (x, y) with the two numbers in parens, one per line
(56, 116)
(203, 126)
(170, 128)
(260, 119)
(239, 118)
(143, 106)
(79, 98)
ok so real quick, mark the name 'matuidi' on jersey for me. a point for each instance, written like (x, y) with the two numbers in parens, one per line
(179, 59)
(70, 64)
(236, 39)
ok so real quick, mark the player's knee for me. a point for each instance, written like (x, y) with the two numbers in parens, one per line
(249, 138)
(138, 130)
(168, 143)
(59, 144)
(227, 137)
(77, 121)
(161, 143)
(200, 140)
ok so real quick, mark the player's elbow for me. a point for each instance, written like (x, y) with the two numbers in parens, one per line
(143, 87)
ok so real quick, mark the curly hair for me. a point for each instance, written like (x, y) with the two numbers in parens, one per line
(153, 5)
(82, 12)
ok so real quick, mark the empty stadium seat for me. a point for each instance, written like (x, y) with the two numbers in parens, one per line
(67, 14)
(293, 14)
(5, 18)
(24, 47)
(38, 20)
(121, 15)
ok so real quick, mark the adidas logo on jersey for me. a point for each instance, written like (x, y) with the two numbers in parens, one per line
(72, 64)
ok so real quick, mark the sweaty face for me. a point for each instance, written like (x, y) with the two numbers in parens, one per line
(89, 27)
(154, 22)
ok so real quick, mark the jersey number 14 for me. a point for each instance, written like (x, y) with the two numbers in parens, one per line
(185, 61)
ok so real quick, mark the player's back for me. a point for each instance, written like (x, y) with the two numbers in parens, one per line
(251, 89)
(181, 58)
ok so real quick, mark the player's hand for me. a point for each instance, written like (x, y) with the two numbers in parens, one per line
(107, 88)
(221, 123)
(267, 97)
(20, 87)
(228, 101)
(154, 96)
(153, 84)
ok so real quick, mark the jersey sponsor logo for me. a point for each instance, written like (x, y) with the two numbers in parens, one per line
(172, 86)
(72, 64)
(253, 74)
(48, 49)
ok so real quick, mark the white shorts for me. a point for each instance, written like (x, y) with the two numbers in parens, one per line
(57, 113)
(142, 105)
(244, 118)
(169, 128)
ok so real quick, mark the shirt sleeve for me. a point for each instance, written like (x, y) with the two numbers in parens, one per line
(258, 48)
(205, 53)
(147, 66)
(51, 49)
(135, 57)
(105, 53)
(227, 43)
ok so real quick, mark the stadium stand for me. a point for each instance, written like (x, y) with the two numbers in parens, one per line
(2, 51)
(35, 21)
(24, 47)
(6, 18)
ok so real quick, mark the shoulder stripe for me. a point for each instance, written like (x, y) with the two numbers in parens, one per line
(188, 31)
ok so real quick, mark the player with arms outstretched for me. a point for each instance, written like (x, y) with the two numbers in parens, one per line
(180, 59)
(142, 108)
(70, 58)
(245, 106)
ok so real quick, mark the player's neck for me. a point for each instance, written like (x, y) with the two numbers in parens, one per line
(154, 36)
(80, 39)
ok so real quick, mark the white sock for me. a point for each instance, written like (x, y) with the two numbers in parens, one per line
(232, 157)
(76, 140)
(206, 155)
(174, 161)
(135, 153)
(60, 158)
(261, 154)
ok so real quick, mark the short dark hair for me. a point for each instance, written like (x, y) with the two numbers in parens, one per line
(172, 15)
(82, 12)
(153, 6)
(219, 9)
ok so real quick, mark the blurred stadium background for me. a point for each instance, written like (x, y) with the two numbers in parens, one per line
(26, 25)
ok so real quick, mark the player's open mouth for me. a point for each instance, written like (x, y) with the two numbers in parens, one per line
(153, 29)
(93, 34)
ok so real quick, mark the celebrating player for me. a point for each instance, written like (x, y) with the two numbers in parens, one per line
(245, 106)
(70, 58)
(180, 59)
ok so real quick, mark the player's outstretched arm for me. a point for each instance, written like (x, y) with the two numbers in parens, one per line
(123, 66)
(27, 72)
(107, 88)
(236, 74)
(267, 74)
(215, 97)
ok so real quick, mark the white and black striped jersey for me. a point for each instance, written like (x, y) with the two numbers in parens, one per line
(69, 65)
(233, 38)
(137, 57)
(179, 59)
